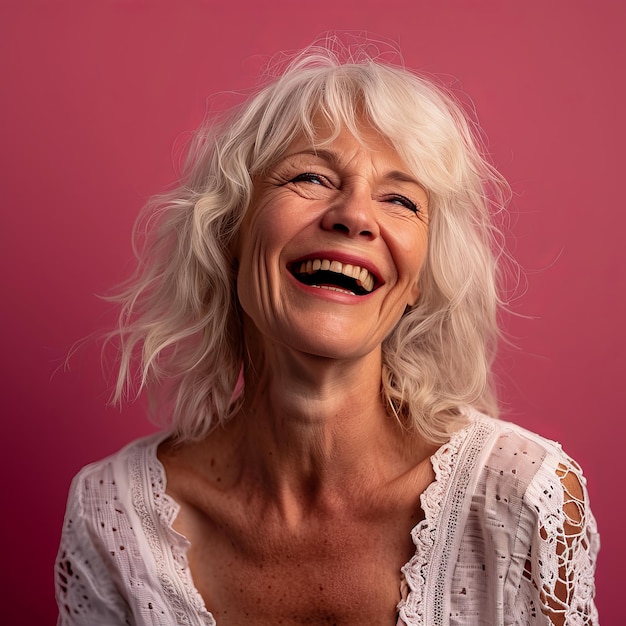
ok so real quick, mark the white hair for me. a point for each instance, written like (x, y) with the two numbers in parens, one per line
(180, 324)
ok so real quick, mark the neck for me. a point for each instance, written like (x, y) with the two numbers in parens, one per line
(314, 429)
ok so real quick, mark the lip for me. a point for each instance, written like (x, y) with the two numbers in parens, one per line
(339, 297)
(345, 258)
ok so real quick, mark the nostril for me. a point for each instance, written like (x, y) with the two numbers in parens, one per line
(342, 228)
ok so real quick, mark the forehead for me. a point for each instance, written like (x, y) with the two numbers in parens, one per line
(364, 148)
(338, 142)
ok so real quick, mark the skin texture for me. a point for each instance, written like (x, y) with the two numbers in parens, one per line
(299, 510)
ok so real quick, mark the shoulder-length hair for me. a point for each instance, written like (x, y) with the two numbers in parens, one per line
(180, 335)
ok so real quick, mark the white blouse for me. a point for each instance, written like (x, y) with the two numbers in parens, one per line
(508, 538)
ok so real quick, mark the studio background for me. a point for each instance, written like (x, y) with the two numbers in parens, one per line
(97, 99)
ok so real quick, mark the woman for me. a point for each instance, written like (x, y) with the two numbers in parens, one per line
(332, 241)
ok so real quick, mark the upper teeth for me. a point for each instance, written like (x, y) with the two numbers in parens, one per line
(360, 274)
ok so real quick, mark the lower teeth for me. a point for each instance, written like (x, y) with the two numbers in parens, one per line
(333, 289)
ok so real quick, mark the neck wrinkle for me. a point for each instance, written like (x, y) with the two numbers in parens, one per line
(316, 431)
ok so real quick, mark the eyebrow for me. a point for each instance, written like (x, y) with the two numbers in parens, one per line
(333, 157)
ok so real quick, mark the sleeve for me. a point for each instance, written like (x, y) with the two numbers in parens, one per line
(85, 591)
(558, 577)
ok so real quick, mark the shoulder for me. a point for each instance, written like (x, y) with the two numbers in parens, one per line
(539, 506)
(105, 531)
(521, 468)
(517, 452)
(117, 545)
(532, 474)
(499, 461)
(107, 484)
(135, 450)
(98, 543)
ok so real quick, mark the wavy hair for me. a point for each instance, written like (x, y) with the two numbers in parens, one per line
(179, 332)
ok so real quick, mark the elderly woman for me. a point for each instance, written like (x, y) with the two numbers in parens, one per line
(316, 308)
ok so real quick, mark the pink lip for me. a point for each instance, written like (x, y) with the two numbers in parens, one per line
(329, 294)
(345, 258)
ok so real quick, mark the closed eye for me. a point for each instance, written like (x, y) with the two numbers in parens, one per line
(310, 177)
(405, 202)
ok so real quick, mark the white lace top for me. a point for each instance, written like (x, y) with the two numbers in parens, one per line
(508, 538)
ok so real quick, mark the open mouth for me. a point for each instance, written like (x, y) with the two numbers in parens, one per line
(333, 275)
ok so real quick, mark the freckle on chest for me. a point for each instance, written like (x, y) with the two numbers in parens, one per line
(336, 576)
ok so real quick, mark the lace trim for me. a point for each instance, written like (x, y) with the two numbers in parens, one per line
(560, 564)
(412, 606)
(167, 510)
(424, 534)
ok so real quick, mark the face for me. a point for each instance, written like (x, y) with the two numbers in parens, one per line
(332, 246)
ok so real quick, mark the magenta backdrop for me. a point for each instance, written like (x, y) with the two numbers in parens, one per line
(96, 94)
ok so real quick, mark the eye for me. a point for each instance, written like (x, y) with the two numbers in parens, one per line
(309, 177)
(404, 201)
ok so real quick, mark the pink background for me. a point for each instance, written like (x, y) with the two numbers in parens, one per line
(95, 96)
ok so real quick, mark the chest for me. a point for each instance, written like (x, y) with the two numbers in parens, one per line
(337, 572)
(333, 559)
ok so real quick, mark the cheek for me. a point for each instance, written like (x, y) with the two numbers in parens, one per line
(414, 294)
(413, 254)
(258, 276)
(264, 226)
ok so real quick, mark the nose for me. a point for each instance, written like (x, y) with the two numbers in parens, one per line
(352, 215)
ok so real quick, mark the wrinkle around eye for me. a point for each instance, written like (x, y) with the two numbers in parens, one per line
(405, 202)
(312, 178)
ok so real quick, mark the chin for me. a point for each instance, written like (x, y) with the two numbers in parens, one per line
(331, 343)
